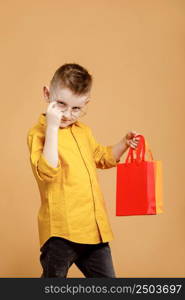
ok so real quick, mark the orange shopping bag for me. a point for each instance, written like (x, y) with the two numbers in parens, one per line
(139, 183)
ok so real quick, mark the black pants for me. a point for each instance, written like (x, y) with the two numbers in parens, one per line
(58, 254)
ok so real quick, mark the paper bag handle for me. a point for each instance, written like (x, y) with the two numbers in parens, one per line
(140, 151)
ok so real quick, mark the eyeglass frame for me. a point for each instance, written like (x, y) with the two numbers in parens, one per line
(81, 108)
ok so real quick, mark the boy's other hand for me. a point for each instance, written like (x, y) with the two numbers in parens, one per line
(130, 139)
(53, 115)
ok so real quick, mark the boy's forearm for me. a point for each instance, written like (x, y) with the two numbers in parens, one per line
(50, 150)
(119, 149)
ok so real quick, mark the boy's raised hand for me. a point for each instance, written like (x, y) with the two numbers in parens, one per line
(130, 139)
(53, 115)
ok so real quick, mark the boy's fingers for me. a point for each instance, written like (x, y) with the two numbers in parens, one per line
(52, 104)
(134, 134)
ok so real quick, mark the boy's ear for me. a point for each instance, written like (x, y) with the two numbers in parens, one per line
(46, 93)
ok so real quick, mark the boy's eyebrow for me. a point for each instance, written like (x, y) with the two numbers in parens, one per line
(59, 101)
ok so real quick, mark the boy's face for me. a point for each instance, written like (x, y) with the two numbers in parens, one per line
(65, 97)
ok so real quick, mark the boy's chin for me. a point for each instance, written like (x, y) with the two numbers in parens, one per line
(65, 124)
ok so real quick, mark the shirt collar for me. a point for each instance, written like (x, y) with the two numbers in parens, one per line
(42, 121)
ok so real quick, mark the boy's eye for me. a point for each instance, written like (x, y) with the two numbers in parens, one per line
(76, 108)
(61, 104)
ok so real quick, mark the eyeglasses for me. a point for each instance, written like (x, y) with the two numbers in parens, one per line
(75, 111)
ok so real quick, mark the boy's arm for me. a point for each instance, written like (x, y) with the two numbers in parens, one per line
(50, 150)
(119, 149)
(42, 168)
(104, 156)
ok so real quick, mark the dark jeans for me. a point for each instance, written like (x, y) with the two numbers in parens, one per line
(58, 254)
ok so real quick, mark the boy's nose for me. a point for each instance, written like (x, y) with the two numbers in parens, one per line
(67, 113)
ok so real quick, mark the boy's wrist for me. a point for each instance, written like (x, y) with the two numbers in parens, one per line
(51, 127)
(125, 144)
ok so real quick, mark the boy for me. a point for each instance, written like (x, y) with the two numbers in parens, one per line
(72, 220)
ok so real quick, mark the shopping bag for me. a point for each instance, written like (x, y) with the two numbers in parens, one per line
(139, 183)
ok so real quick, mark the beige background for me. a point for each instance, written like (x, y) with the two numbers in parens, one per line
(135, 51)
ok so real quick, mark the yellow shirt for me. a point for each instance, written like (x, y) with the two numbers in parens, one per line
(72, 204)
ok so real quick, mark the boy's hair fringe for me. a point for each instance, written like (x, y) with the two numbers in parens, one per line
(74, 77)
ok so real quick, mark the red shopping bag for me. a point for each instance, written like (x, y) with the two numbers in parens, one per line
(139, 184)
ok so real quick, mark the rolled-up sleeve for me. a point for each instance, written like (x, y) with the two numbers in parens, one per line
(103, 155)
(41, 168)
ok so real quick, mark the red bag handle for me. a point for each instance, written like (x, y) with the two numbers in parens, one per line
(140, 150)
